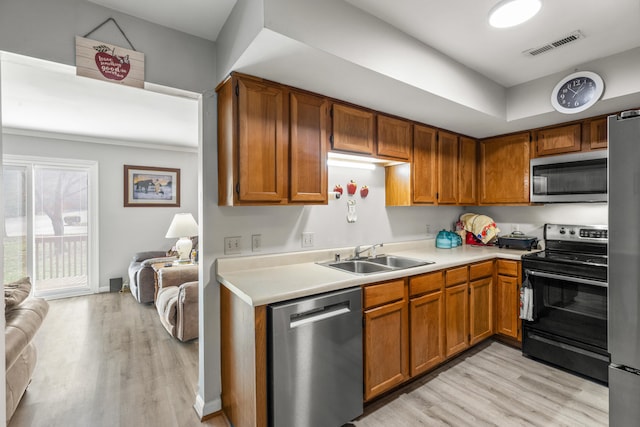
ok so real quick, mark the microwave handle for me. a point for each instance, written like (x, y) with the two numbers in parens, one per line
(567, 278)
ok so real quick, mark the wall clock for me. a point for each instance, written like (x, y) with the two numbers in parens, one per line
(577, 92)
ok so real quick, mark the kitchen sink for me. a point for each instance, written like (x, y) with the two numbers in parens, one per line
(398, 262)
(358, 266)
(378, 264)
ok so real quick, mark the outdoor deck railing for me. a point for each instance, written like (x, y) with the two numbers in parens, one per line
(61, 256)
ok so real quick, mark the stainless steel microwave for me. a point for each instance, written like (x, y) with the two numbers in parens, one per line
(569, 178)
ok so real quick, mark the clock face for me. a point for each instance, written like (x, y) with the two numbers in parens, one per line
(577, 92)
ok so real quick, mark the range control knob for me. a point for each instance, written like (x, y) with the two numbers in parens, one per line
(563, 231)
(572, 231)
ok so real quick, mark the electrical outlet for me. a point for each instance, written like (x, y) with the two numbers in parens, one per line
(307, 239)
(232, 245)
(256, 242)
(428, 228)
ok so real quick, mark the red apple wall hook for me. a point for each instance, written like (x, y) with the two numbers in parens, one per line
(364, 191)
(351, 187)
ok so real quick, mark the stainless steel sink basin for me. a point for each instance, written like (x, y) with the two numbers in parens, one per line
(397, 262)
(378, 264)
(358, 266)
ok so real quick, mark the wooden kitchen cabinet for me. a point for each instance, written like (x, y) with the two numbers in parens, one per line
(456, 310)
(426, 315)
(598, 133)
(394, 138)
(424, 166)
(308, 148)
(447, 168)
(480, 301)
(508, 284)
(504, 170)
(558, 140)
(386, 337)
(353, 129)
(467, 171)
(252, 142)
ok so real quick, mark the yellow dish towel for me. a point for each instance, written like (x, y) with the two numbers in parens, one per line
(481, 226)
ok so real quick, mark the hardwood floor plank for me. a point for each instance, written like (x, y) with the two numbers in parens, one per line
(103, 361)
(493, 385)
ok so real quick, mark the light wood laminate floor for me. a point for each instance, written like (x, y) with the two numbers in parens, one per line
(103, 361)
(493, 385)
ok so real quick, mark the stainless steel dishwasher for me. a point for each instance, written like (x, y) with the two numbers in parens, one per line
(315, 360)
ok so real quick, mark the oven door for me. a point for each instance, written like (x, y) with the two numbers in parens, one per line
(574, 308)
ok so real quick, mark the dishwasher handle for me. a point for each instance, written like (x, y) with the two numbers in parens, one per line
(318, 314)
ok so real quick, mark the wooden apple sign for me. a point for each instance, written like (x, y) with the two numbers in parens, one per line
(103, 61)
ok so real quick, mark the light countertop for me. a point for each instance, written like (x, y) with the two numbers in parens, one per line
(266, 279)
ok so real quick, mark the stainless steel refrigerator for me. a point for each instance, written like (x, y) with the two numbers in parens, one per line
(624, 269)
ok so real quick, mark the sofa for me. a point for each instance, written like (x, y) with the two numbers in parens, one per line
(177, 301)
(24, 315)
(141, 275)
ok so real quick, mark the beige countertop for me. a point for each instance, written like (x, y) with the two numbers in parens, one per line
(266, 279)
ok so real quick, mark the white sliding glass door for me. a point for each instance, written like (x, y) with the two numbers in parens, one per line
(50, 223)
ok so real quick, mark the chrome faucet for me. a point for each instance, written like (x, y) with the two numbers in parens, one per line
(357, 251)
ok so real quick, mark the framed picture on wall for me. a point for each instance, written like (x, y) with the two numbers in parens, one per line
(146, 186)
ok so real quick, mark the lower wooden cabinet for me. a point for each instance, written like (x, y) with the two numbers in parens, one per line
(508, 284)
(386, 339)
(480, 309)
(426, 320)
(457, 319)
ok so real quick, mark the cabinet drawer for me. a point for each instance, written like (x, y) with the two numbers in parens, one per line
(456, 275)
(480, 270)
(508, 268)
(425, 283)
(383, 293)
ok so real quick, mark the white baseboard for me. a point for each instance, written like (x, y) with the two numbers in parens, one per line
(206, 408)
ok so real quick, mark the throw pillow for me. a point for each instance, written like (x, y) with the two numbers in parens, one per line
(16, 292)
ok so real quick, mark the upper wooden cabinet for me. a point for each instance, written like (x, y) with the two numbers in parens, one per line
(252, 142)
(424, 165)
(394, 138)
(447, 168)
(353, 129)
(504, 169)
(558, 140)
(598, 137)
(467, 171)
(308, 148)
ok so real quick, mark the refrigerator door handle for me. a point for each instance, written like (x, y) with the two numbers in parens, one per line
(568, 278)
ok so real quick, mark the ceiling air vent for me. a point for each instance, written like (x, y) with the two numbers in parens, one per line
(563, 41)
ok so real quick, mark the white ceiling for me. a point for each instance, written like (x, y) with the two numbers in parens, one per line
(457, 28)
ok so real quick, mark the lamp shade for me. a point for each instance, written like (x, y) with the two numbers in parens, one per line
(183, 225)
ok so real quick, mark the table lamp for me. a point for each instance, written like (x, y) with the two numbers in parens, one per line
(183, 226)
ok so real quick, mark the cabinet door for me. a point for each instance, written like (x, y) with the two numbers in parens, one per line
(424, 164)
(564, 139)
(262, 145)
(447, 168)
(427, 332)
(386, 348)
(352, 129)
(467, 172)
(308, 148)
(507, 306)
(598, 134)
(504, 169)
(394, 138)
(457, 319)
(480, 310)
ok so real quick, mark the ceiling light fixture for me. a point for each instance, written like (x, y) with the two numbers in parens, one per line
(509, 13)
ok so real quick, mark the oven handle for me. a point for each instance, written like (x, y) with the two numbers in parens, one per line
(568, 278)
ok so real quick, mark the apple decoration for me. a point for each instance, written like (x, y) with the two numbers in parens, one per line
(112, 66)
(351, 187)
(338, 189)
(364, 191)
